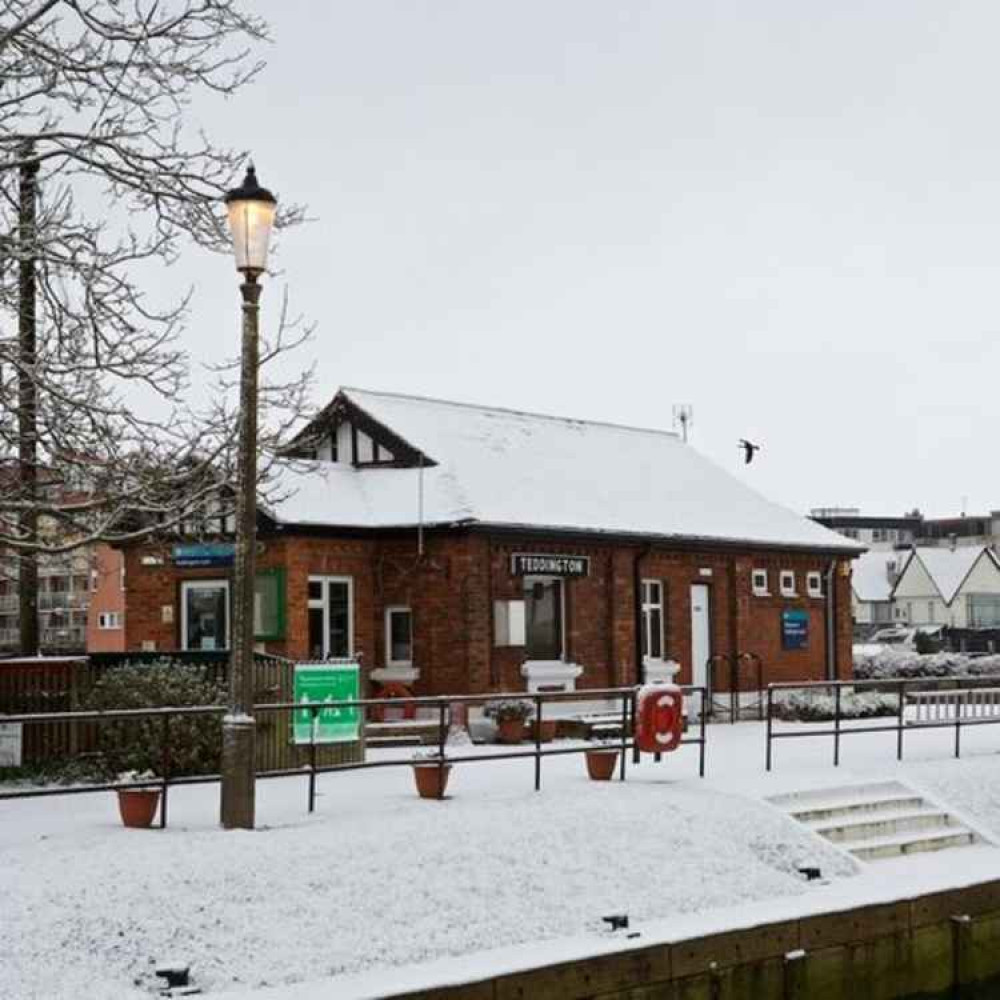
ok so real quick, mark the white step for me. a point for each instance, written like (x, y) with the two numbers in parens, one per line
(880, 825)
(936, 839)
(834, 809)
(839, 793)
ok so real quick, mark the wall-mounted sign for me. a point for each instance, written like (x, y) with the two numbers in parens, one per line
(536, 564)
(794, 629)
(217, 554)
(326, 684)
(10, 744)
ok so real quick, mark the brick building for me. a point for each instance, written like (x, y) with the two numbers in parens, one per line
(460, 548)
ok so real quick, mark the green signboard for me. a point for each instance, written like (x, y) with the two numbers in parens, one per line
(326, 684)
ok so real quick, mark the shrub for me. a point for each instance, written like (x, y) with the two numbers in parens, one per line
(818, 706)
(892, 664)
(505, 709)
(136, 744)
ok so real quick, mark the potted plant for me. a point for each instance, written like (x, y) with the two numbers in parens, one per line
(430, 771)
(137, 804)
(601, 760)
(510, 715)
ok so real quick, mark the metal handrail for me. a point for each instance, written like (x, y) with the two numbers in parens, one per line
(312, 769)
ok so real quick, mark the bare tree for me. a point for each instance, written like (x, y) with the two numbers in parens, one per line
(98, 439)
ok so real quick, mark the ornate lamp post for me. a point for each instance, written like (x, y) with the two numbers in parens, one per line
(251, 211)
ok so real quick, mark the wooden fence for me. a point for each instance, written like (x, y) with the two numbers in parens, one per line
(62, 685)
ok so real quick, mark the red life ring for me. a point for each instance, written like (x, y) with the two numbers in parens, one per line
(394, 689)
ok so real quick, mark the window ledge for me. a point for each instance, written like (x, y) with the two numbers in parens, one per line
(398, 675)
(762, 593)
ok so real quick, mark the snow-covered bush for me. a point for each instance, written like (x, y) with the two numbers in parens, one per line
(137, 744)
(819, 706)
(878, 663)
(509, 709)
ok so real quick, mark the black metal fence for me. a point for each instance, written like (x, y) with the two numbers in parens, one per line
(440, 709)
(962, 697)
(734, 667)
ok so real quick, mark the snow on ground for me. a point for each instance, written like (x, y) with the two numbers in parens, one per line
(378, 877)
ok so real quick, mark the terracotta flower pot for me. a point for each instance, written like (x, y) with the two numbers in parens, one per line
(432, 780)
(548, 730)
(601, 764)
(137, 806)
(510, 730)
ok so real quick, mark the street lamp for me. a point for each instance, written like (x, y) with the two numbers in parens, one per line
(251, 211)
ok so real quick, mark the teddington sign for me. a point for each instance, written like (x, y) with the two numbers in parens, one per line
(535, 564)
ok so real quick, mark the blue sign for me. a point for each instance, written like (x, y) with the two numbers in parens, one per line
(219, 554)
(794, 629)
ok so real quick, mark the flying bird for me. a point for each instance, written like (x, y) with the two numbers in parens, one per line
(749, 450)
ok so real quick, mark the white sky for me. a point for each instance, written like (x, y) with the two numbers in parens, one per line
(784, 213)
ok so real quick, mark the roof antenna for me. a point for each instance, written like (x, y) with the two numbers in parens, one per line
(684, 416)
(420, 507)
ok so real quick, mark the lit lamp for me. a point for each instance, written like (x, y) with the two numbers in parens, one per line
(251, 211)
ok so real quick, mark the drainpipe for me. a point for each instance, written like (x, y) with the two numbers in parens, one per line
(831, 642)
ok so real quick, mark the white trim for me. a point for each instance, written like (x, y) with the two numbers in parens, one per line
(550, 674)
(789, 589)
(814, 583)
(647, 608)
(759, 591)
(323, 603)
(390, 610)
(187, 585)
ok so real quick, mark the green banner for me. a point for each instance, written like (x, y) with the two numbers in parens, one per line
(326, 684)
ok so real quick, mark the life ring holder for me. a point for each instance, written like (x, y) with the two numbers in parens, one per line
(394, 689)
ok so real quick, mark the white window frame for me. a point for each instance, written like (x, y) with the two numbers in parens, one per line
(814, 583)
(323, 603)
(647, 618)
(213, 584)
(109, 620)
(757, 589)
(391, 610)
(787, 589)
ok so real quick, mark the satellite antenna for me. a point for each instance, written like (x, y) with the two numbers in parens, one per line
(683, 418)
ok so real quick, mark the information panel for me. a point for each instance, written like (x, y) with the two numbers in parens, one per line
(794, 629)
(11, 734)
(326, 684)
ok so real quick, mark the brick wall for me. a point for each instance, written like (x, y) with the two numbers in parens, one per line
(452, 589)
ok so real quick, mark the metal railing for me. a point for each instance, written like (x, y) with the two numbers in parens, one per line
(737, 664)
(440, 707)
(963, 687)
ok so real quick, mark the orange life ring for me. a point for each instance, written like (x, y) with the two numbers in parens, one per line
(394, 689)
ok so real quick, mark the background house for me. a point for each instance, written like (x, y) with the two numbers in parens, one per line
(958, 587)
(874, 573)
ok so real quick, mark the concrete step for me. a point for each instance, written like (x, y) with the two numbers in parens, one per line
(815, 798)
(877, 826)
(847, 808)
(939, 839)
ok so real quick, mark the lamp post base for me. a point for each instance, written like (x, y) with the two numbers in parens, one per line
(238, 772)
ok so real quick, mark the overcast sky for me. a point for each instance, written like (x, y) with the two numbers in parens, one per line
(786, 214)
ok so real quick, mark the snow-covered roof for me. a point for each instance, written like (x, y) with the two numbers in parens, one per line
(870, 574)
(507, 468)
(949, 567)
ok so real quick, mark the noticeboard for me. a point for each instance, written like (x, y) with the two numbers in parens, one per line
(11, 734)
(794, 629)
(326, 684)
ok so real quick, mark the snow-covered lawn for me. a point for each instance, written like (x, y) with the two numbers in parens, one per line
(378, 877)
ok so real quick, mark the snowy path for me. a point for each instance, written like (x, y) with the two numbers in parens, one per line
(380, 877)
